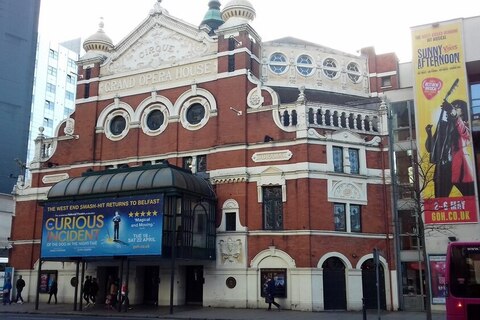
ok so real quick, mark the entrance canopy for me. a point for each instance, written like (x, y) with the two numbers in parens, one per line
(159, 178)
(159, 210)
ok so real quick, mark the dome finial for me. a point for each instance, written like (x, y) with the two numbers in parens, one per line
(98, 41)
(101, 24)
(213, 17)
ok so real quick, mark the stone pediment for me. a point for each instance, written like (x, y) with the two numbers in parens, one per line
(160, 41)
(345, 135)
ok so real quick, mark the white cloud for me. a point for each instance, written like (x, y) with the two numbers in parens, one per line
(346, 25)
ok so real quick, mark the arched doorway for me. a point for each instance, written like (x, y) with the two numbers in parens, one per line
(369, 280)
(334, 284)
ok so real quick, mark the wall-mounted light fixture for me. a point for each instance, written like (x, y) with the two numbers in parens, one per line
(267, 138)
(238, 112)
(79, 76)
(237, 43)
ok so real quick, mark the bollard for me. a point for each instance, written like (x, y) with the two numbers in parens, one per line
(364, 309)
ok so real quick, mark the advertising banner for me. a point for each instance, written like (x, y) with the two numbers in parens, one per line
(437, 264)
(445, 150)
(126, 226)
(6, 282)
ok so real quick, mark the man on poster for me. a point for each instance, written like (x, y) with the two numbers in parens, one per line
(116, 226)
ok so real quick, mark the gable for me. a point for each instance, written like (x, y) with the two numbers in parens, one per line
(160, 41)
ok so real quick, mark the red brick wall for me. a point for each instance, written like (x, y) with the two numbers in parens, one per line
(26, 226)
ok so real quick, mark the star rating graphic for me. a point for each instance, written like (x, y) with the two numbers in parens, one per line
(137, 214)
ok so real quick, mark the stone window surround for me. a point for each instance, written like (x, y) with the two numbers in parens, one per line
(353, 76)
(137, 118)
(231, 205)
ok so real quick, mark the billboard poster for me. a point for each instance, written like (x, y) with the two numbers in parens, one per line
(279, 276)
(6, 282)
(437, 265)
(445, 150)
(47, 277)
(126, 226)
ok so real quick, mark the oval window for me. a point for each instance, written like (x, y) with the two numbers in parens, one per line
(278, 63)
(195, 113)
(117, 125)
(155, 120)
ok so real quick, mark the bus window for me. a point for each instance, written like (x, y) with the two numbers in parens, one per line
(463, 281)
(465, 272)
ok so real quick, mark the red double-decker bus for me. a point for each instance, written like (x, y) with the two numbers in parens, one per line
(463, 281)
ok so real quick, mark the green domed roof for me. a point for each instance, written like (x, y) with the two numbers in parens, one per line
(213, 17)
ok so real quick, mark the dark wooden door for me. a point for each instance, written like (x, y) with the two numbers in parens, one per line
(369, 280)
(334, 285)
(151, 284)
(194, 289)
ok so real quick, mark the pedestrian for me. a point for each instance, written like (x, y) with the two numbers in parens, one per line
(124, 294)
(94, 291)
(20, 285)
(7, 287)
(87, 290)
(269, 290)
(114, 293)
(108, 297)
(53, 291)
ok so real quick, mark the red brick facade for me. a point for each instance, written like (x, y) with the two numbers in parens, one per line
(234, 142)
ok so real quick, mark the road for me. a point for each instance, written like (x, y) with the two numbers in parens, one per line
(16, 316)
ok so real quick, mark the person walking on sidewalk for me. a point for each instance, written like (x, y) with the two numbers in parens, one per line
(94, 291)
(7, 287)
(20, 285)
(53, 291)
(87, 286)
(269, 290)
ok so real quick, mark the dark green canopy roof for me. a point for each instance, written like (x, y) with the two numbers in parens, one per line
(139, 180)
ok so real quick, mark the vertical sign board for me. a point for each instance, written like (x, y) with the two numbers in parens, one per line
(445, 148)
(437, 265)
(127, 226)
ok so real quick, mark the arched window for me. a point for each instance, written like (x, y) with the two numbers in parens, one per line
(199, 226)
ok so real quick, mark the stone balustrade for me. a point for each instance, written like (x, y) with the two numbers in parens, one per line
(332, 117)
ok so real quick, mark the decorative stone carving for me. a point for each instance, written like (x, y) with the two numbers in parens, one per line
(230, 204)
(255, 99)
(312, 133)
(375, 142)
(230, 251)
(159, 46)
(69, 126)
(347, 191)
(224, 180)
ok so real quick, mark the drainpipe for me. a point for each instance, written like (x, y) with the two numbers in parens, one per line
(385, 208)
(396, 223)
(383, 111)
(173, 209)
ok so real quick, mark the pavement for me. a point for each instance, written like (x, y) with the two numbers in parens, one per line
(206, 313)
